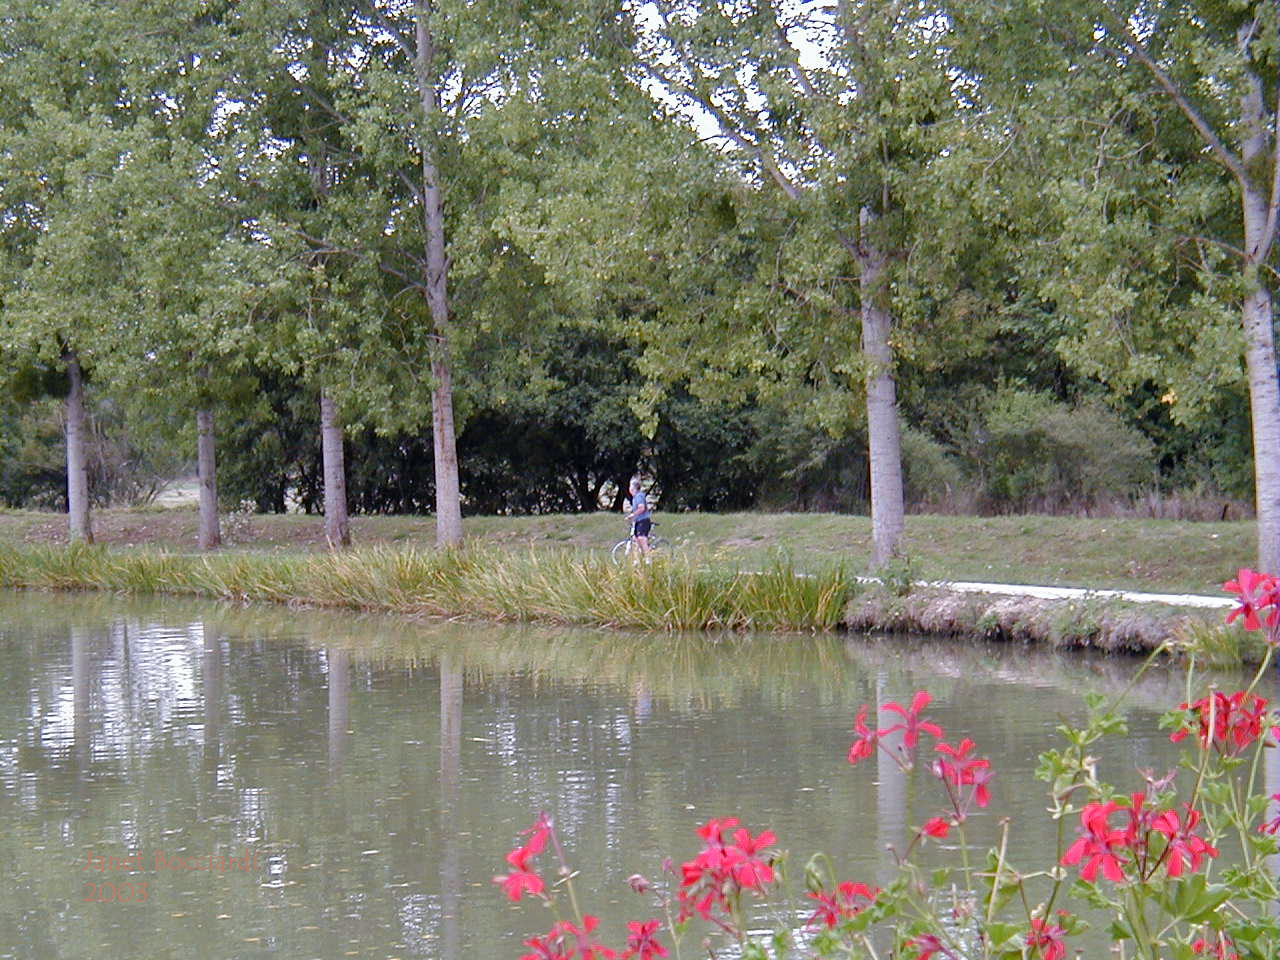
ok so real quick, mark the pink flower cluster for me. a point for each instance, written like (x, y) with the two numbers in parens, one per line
(849, 900)
(1219, 948)
(567, 940)
(965, 776)
(1229, 723)
(1146, 840)
(724, 867)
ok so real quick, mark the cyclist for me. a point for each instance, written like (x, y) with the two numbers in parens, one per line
(640, 516)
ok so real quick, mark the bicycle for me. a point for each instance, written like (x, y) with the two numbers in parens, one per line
(623, 548)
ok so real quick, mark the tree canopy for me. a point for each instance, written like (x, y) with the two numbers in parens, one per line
(858, 256)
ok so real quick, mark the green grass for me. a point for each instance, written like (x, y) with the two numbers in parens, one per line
(681, 592)
(1128, 553)
(800, 577)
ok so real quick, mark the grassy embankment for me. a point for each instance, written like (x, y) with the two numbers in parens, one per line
(553, 569)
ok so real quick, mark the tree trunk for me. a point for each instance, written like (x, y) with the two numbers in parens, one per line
(206, 468)
(1259, 336)
(77, 469)
(883, 437)
(444, 441)
(337, 529)
(1260, 150)
(1264, 406)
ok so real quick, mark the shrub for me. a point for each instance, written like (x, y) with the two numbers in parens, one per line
(1040, 454)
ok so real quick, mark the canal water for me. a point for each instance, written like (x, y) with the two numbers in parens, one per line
(305, 784)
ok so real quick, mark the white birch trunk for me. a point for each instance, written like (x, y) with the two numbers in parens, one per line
(79, 526)
(1259, 337)
(444, 441)
(337, 529)
(883, 436)
(210, 534)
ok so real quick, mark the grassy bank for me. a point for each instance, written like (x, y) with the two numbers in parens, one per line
(487, 583)
(1163, 556)
(685, 591)
(734, 571)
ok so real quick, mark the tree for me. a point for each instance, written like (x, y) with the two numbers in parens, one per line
(115, 228)
(1159, 119)
(825, 112)
(65, 127)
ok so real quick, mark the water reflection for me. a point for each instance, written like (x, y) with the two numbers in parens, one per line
(339, 678)
(450, 808)
(376, 772)
(891, 779)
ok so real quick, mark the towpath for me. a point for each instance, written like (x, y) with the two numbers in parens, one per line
(1074, 593)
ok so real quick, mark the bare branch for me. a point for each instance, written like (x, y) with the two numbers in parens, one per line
(410, 282)
(1233, 250)
(702, 97)
(380, 15)
(1273, 202)
(1224, 153)
(408, 182)
(329, 107)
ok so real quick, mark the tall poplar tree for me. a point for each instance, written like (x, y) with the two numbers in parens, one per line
(432, 96)
(69, 112)
(824, 111)
(1152, 130)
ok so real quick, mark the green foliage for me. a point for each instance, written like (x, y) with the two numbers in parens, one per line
(898, 576)
(557, 587)
(221, 206)
(1037, 452)
(932, 473)
(32, 464)
(806, 464)
(126, 462)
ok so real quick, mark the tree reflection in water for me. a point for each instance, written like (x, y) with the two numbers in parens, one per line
(308, 737)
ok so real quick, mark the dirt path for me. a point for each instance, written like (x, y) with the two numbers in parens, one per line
(1076, 593)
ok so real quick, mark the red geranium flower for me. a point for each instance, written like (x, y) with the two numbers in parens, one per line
(937, 827)
(864, 744)
(1047, 938)
(1272, 826)
(911, 722)
(586, 947)
(566, 941)
(750, 871)
(522, 879)
(1221, 948)
(1257, 592)
(641, 941)
(1230, 723)
(849, 900)
(550, 947)
(519, 882)
(1184, 847)
(722, 869)
(963, 770)
(1099, 843)
(926, 945)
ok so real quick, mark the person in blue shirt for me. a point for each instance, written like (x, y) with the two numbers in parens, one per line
(640, 515)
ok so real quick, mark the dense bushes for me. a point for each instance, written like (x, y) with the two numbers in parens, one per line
(1038, 454)
(570, 445)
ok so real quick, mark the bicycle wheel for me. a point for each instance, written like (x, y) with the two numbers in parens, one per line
(621, 550)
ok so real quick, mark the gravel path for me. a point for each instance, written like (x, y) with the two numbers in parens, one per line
(1072, 593)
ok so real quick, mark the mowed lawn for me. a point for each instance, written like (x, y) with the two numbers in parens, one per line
(1102, 553)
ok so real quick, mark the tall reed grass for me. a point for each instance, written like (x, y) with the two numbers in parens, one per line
(672, 593)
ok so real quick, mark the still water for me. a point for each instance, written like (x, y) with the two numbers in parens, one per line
(359, 780)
